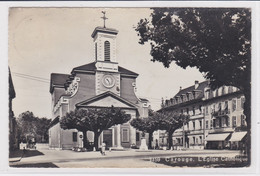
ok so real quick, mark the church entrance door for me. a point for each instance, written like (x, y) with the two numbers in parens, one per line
(107, 137)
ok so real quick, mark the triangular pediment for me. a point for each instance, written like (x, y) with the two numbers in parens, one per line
(107, 99)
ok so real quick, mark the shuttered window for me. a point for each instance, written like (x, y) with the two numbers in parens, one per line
(242, 102)
(207, 124)
(228, 122)
(125, 135)
(234, 121)
(238, 103)
(234, 104)
(243, 120)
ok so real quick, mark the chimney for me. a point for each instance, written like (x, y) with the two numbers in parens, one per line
(180, 88)
(196, 84)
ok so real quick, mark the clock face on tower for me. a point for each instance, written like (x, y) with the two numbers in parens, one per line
(108, 81)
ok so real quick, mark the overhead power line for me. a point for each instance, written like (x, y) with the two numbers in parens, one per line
(30, 76)
(32, 79)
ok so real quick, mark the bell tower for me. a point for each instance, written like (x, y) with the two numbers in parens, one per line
(105, 47)
(107, 75)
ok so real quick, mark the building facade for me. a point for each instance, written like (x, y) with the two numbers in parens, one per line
(102, 83)
(13, 128)
(216, 117)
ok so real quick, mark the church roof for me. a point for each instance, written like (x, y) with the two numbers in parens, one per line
(105, 30)
(87, 67)
(58, 79)
(125, 71)
(92, 67)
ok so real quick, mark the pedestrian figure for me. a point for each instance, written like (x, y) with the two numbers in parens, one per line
(156, 144)
(103, 148)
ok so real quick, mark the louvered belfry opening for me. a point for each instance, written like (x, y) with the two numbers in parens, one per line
(107, 51)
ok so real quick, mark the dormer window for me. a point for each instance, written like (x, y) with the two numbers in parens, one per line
(195, 94)
(191, 96)
(230, 89)
(223, 90)
(187, 95)
(173, 101)
(216, 92)
(167, 103)
(210, 93)
(180, 100)
(107, 50)
(184, 98)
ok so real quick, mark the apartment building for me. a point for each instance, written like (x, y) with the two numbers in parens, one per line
(216, 117)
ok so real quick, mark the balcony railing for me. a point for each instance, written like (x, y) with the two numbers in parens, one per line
(221, 129)
(196, 144)
(221, 112)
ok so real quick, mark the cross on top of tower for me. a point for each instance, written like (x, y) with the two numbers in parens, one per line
(104, 18)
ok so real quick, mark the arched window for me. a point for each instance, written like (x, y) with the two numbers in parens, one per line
(107, 50)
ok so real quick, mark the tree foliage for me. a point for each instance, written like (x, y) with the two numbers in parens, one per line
(216, 41)
(148, 125)
(30, 126)
(93, 119)
(170, 122)
(163, 120)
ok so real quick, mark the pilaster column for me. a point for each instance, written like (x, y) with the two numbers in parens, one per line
(113, 137)
(118, 140)
(100, 140)
(132, 135)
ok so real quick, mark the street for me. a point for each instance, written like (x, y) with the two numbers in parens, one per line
(114, 159)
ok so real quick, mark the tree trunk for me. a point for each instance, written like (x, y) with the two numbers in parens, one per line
(170, 144)
(247, 112)
(96, 136)
(85, 139)
(150, 140)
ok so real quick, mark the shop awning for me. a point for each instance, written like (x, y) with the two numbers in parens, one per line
(237, 136)
(217, 137)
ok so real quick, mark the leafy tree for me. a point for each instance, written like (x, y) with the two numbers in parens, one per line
(93, 119)
(148, 125)
(42, 129)
(26, 125)
(170, 122)
(30, 126)
(217, 41)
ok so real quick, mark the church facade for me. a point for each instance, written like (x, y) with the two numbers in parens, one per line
(102, 83)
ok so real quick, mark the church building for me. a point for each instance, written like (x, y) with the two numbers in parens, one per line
(102, 83)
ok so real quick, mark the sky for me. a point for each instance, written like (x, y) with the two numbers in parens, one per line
(55, 40)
